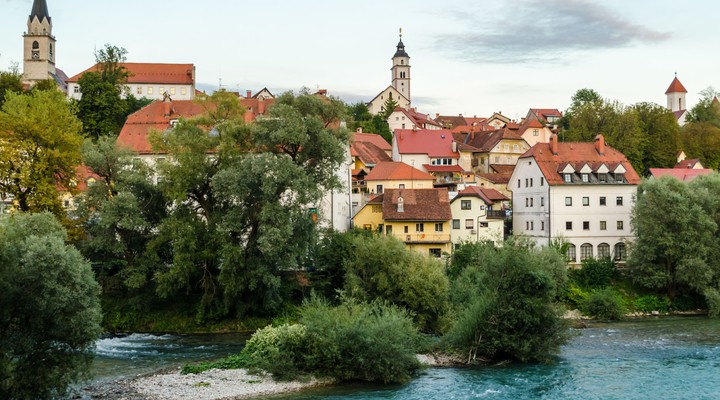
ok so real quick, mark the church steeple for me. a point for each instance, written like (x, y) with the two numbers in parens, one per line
(39, 10)
(401, 69)
(39, 49)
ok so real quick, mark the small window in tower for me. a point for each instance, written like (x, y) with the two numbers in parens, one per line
(36, 45)
(402, 62)
(51, 50)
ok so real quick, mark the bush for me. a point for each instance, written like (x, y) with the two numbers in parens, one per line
(506, 303)
(595, 273)
(648, 304)
(575, 297)
(279, 350)
(605, 304)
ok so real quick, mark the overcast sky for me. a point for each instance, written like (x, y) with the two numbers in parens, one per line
(469, 57)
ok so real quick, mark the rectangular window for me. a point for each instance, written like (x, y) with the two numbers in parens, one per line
(406, 229)
(379, 189)
(76, 89)
(526, 182)
(532, 225)
(138, 90)
(542, 202)
(585, 178)
(527, 225)
(531, 182)
(469, 224)
(527, 202)
(518, 183)
(619, 200)
(388, 229)
(619, 178)
(172, 91)
(161, 90)
(456, 224)
(620, 225)
(419, 227)
(435, 253)
(439, 227)
(603, 225)
(401, 186)
(568, 178)
(586, 225)
(542, 225)
(602, 178)
(536, 132)
(465, 204)
(603, 201)
(568, 225)
(586, 201)
(531, 201)
(568, 201)
(542, 181)
(183, 91)
(150, 90)
(482, 225)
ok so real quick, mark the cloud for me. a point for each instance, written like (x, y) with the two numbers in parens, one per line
(544, 30)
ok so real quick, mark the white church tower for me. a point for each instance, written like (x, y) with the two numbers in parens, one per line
(39, 50)
(676, 100)
(401, 70)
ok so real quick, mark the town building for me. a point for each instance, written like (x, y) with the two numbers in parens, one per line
(397, 175)
(478, 215)
(366, 150)
(39, 49)
(420, 218)
(402, 118)
(676, 103)
(150, 80)
(580, 193)
(399, 89)
(491, 150)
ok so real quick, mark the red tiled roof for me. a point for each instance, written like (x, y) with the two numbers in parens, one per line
(434, 143)
(451, 121)
(486, 141)
(475, 120)
(418, 119)
(544, 113)
(496, 178)
(676, 87)
(503, 168)
(686, 163)
(179, 74)
(443, 168)
(394, 171)
(679, 114)
(373, 138)
(418, 205)
(368, 153)
(680, 174)
(489, 196)
(577, 154)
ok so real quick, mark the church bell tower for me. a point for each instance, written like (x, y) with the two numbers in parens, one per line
(401, 70)
(39, 50)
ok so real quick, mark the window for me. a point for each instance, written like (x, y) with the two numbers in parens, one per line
(531, 182)
(568, 178)
(172, 91)
(586, 251)
(515, 147)
(585, 178)
(603, 250)
(602, 178)
(161, 90)
(518, 183)
(571, 253)
(620, 252)
(619, 225)
(542, 181)
(603, 225)
(150, 90)
(603, 201)
(438, 227)
(76, 89)
(183, 91)
(586, 225)
(532, 225)
(469, 224)
(526, 182)
(420, 227)
(401, 186)
(379, 189)
(465, 204)
(531, 201)
(388, 229)
(367, 227)
(619, 200)
(568, 225)
(542, 225)
(406, 229)
(435, 253)
(536, 132)
(482, 225)
(138, 90)
(586, 201)
(568, 201)
(542, 202)
(506, 147)
(619, 178)
(456, 224)
(527, 225)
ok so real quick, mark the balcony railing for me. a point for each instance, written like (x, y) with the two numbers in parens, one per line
(499, 214)
(421, 237)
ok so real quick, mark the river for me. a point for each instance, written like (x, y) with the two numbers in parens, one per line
(664, 358)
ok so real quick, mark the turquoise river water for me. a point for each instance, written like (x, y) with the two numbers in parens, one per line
(665, 358)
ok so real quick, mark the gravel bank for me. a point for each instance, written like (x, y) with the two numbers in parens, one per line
(214, 384)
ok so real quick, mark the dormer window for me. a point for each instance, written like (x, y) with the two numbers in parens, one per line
(568, 178)
(620, 178)
(602, 178)
(401, 205)
(586, 178)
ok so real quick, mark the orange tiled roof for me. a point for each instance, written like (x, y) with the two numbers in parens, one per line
(393, 170)
(155, 116)
(373, 138)
(486, 141)
(676, 87)
(680, 174)
(418, 205)
(686, 163)
(489, 196)
(178, 74)
(434, 143)
(496, 178)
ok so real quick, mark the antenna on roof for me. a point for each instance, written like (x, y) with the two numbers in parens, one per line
(401, 34)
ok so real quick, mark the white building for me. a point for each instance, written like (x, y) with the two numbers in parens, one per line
(676, 100)
(399, 89)
(39, 48)
(478, 215)
(581, 193)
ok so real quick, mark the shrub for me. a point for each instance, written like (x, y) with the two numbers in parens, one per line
(575, 296)
(605, 304)
(279, 350)
(652, 303)
(595, 273)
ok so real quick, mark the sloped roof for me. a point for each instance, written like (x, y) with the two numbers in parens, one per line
(544, 113)
(395, 171)
(40, 10)
(416, 118)
(489, 196)
(368, 153)
(577, 154)
(687, 164)
(434, 143)
(503, 168)
(443, 168)
(418, 205)
(676, 87)
(680, 174)
(451, 121)
(496, 178)
(158, 73)
(373, 138)
(486, 141)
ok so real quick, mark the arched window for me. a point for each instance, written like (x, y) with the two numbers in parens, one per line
(35, 45)
(603, 250)
(571, 253)
(586, 251)
(620, 252)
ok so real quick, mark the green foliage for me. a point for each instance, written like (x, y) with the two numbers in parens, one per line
(279, 350)
(575, 296)
(381, 267)
(388, 108)
(360, 117)
(594, 273)
(234, 361)
(706, 110)
(506, 304)
(605, 304)
(651, 303)
(41, 149)
(702, 140)
(49, 309)
(10, 82)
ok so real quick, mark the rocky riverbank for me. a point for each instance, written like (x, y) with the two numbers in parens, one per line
(209, 385)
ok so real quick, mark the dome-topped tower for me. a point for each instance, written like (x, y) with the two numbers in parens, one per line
(39, 50)
(401, 69)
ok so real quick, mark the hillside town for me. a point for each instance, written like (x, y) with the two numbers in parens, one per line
(441, 180)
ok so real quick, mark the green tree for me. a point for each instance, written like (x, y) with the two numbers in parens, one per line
(49, 309)
(661, 135)
(388, 108)
(707, 109)
(505, 300)
(106, 102)
(360, 117)
(41, 149)
(10, 81)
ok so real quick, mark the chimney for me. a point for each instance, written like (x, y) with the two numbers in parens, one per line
(600, 144)
(437, 115)
(554, 144)
(249, 94)
(167, 105)
(454, 146)
(358, 130)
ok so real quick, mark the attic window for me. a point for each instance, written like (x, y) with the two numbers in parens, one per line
(401, 205)
(585, 178)
(568, 178)
(173, 123)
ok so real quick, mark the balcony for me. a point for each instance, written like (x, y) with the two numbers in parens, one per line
(421, 237)
(493, 214)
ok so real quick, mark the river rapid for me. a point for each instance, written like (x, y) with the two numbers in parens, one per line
(663, 358)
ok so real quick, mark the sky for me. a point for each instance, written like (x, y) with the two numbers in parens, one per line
(470, 57)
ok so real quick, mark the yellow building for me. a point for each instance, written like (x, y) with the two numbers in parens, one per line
(397, 175)
(420, 218)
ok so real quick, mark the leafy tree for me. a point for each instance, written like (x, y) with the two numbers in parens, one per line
(707, 109)
(10, 81)
(506, 304)
(360, 117)
(105, 102)
(388, 108)
(49, 309)
(702, 140)
(41, 149)
(661, 135)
